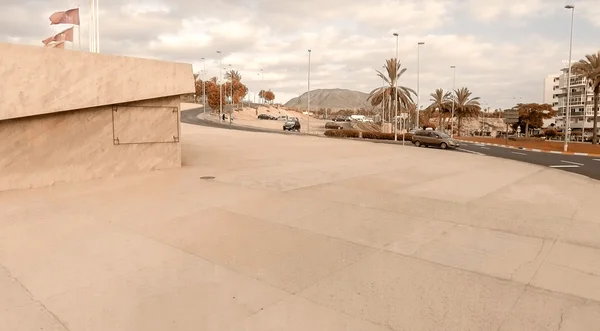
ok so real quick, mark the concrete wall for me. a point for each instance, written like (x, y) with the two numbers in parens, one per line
(105, 116)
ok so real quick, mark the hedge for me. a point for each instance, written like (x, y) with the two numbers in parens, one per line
(366, 135)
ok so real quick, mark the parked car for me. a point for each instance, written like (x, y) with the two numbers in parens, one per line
(428, 138)
(291, 125)
(282, 118)
(341, 119)
(266, 117)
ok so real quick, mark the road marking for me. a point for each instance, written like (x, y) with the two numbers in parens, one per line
(564, 166)
(555, 152)
(580, 164)
(519, 153)
(485, 147)
(581, 154)
(596, 159)
(468, 151)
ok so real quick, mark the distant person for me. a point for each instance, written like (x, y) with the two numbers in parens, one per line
(223, 117)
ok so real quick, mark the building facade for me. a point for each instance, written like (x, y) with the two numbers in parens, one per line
(551, 95)
(581, 103)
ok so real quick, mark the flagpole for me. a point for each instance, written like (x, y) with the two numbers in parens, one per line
(79, 29)
(90, 29)
(97, 28)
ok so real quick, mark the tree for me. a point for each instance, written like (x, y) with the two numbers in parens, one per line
(465, 106)
(590, 69)
(386, 95)
(212, 94)
(269, 96)
(441, 103)
(233, 75)
(533, 114)
(261, 94)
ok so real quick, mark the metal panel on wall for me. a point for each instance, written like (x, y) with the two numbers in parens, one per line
(145, 124)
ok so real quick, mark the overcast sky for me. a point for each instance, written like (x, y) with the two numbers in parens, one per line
(502, 49)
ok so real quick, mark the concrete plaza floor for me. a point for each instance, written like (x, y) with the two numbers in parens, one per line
(303, 233)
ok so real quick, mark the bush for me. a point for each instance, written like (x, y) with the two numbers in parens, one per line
(366, 134)
(550, 133)
(342, 133)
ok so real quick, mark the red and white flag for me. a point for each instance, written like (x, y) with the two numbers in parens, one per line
(66, 35)
(70, 16)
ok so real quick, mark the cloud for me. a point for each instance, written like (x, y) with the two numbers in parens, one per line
(349, 40)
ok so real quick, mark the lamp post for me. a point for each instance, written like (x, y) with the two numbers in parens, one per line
(394, 84)
(568, 105)
(204, 86)
(418, 81)
(308, 102)
(231, 109)
(453, 101)
(262, 84)
(220, 87)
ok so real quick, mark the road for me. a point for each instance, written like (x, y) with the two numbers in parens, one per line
(583, 165)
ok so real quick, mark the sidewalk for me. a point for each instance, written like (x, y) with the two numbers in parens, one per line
(279, 232)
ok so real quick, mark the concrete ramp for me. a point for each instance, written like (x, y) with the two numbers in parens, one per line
(69, 115)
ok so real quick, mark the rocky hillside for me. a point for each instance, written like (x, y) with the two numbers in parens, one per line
(334, 99)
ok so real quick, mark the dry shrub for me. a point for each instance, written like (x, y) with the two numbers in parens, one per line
(365, 135)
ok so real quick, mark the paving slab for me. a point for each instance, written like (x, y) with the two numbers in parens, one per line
(298, 232)
(409, 294)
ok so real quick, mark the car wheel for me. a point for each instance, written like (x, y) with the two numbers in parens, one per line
(418, 143)
(443, 145)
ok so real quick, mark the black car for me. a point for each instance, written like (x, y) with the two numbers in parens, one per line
(291, 125)
(266, 117)
(341, 119)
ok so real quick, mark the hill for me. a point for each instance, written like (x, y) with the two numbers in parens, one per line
(334, 99)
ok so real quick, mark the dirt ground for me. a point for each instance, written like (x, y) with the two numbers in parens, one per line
(574, 147)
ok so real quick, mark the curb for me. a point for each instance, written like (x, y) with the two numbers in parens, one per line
(529, 149)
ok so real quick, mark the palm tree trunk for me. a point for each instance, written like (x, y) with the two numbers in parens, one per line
(459, 125)
(596, 95)
(439, 120)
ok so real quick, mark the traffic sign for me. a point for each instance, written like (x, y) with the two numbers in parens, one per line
(511, 116)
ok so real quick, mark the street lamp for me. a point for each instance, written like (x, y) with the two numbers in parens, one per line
(262, 83)
(220, 87)
(568, 105)
(308, 102)
(394, 85)
(453, 101)
(418, 82)
(204, 86)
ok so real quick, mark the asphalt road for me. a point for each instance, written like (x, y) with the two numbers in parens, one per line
(583, 165)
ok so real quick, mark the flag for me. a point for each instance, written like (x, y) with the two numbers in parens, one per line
(70, 16)
(60, 44)
(66, 35)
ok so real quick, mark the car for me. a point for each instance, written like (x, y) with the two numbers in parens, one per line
(426, 138)
(291, 125)
(266, 117)
(282, 118)
(341, 119)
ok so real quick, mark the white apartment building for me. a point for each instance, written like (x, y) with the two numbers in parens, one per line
(581, 97)
(551, 94)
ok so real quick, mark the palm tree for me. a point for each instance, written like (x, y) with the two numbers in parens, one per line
(465, 106)
(441, 102)
(387, 94)
(590, 69)
(233, 75)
